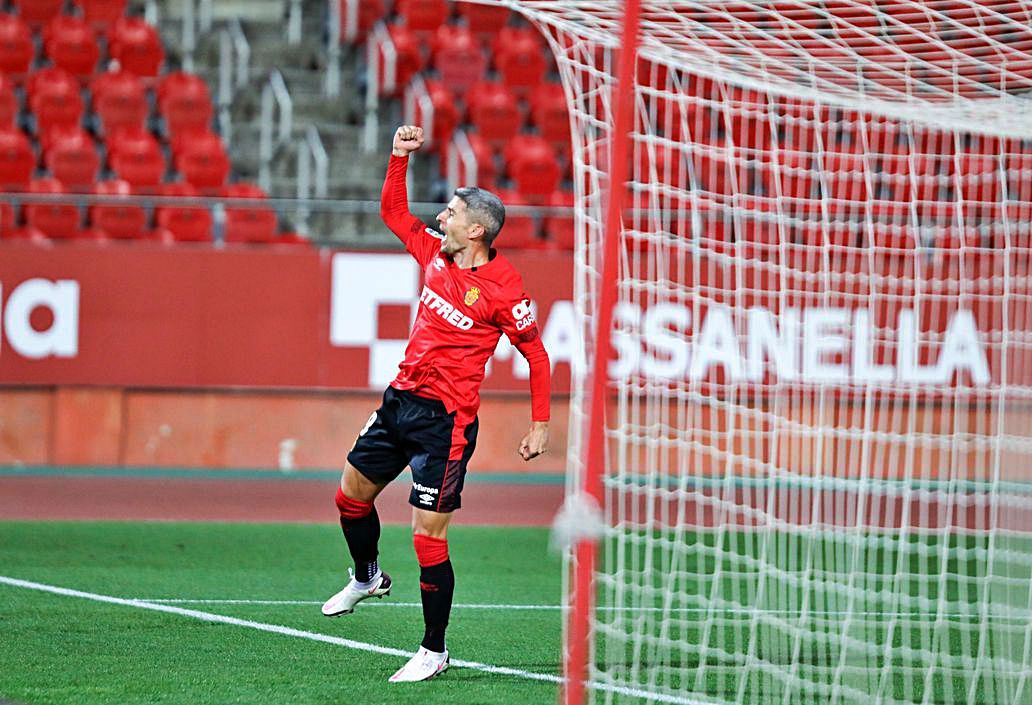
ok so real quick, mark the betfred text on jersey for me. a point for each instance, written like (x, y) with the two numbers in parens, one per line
(445, 310)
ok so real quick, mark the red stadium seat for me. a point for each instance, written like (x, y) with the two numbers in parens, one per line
(931, 174)
(185, 106)
(458, 58)
(711, 170)
(204, 165)
(131, 139)
(532, 165)
(17, 160)
(40, 78)
(795, 172)
(8, 103)
(38, 12)
(445, 117)
(135, 156)
(7, 219)
(118, 221)
(423, 15)
(550, 115)
(357, 17)
(137, 46)
(184, 223)
(291, 239)
(178, 82)
(409, 59)
(494, 111)
(249, 223)
(119, 100)
(71, 44)
(519, 57)
(54, 99)
(748, 128)
(192, 139)
(845, 177)
(28, 234)
(16, 49)
(1019, 178)
(101, 14)
(59, 221)
(72, 158)
(484, 20)
(519, 231)
(559, 229)
(487, 169)
(979, 177)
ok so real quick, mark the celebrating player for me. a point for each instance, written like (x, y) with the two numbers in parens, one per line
(428, 419)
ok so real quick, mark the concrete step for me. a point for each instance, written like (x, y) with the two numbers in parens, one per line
(353, 173)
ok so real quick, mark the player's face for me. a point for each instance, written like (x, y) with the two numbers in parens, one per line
(455, 225)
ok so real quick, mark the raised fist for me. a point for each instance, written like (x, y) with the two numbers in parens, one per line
(407, 139)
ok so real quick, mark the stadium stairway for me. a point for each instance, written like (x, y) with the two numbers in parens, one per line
(354, 175)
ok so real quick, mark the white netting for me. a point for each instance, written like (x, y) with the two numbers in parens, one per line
(817, 481)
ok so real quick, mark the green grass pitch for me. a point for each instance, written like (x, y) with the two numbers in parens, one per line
(61, 649)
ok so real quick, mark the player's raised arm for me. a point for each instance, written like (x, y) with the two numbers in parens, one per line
(394, 207)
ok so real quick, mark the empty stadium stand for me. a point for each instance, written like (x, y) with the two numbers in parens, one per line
(92, 106)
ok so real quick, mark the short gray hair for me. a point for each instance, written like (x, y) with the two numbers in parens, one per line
(484, 208)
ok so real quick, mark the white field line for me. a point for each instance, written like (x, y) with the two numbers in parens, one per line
(378, 603)
(784, 614)
(336, 641)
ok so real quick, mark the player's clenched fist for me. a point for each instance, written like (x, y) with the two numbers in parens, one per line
(407, 139)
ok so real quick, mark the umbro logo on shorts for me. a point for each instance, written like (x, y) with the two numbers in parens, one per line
(426, 499)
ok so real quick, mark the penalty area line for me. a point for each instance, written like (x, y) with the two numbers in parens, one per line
(336, 641)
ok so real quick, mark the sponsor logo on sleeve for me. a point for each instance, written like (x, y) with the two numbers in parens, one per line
(523, 315)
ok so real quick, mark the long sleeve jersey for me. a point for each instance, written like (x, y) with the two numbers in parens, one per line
(461, 316)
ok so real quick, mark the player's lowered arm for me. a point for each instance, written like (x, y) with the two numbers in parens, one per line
(536, 441)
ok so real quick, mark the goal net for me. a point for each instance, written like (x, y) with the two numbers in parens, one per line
(817, 467)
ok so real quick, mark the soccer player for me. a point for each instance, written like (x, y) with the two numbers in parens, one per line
(428, 420)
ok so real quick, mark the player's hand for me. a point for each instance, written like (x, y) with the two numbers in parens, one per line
(407, 139)
(536, 441)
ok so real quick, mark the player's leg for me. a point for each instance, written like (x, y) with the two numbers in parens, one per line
(436, 577)
(374, 461)
(436, 588)
(360, 522)
(437, 480)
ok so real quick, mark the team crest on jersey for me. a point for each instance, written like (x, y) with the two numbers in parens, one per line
(472, 295)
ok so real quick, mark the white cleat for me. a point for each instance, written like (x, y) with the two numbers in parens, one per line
(344, 601)
(422, 667)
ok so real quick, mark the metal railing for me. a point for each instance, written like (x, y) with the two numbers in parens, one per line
(379, 43)
(274, 96)
(417, 96)
(294, 22)
(331, 84)
(234, 70)
(462, 162)
(310, 152)
(363, 229)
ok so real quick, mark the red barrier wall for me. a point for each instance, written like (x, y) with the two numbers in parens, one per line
(267, 358)
(232, 429)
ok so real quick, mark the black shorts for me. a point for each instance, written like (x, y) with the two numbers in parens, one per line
(418, 432)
